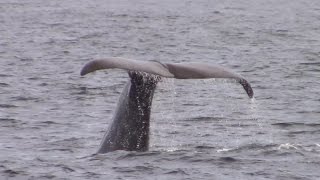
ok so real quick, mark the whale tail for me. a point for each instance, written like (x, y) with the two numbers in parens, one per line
(130, 127)
(168, 70)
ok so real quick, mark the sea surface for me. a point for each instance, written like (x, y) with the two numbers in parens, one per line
(52, 120)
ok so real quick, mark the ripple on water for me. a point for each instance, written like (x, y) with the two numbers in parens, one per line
(295, 124)
(5, 106)
(4, 84)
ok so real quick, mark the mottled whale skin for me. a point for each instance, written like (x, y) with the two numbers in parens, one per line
(130, 127)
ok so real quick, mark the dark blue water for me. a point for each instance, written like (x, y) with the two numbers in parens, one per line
(52, 120)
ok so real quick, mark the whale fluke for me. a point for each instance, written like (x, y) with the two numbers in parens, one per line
(151, 67)
(206, 71)
(168, 70)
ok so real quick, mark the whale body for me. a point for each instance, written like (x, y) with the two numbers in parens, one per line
(130, 127)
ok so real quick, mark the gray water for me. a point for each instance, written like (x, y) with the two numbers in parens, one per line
(52, 120)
